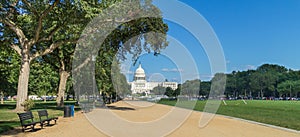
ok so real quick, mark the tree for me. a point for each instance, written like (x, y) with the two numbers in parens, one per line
(8, 72)
(170, 92)
(159, 90)
(61, 61)
(205, 88)
(119, 81)
(218, 85)
(243, 83)
(263, 81)
(191, 87)
(289, 87)
(36, 28)
(43, 79)
(127, 35)
(232, 84)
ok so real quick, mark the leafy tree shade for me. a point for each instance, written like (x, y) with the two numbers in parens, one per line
(36, 28)
(128, 36)
(44, 79)
(61, 61)
(8, 72)
(121, 87)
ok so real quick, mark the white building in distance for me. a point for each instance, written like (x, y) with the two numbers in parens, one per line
(140, 85)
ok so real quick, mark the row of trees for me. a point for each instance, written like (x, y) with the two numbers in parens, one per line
(38, 40)
(268, 80)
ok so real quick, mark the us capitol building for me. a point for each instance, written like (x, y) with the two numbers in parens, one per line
(140, 85)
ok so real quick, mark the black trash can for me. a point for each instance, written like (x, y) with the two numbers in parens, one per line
(67, 111)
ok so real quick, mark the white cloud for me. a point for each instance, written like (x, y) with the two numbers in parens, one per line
(126, 72)
(250, 67)
(164, 69)
(206, 76)
(171, 70)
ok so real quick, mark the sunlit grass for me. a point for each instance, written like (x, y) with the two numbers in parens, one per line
(9, 119)
(279, 113)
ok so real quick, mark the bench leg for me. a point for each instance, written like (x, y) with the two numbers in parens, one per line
(32, 127)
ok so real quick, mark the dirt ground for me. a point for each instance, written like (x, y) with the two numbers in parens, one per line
(128, 119)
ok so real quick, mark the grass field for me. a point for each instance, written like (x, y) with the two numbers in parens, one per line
(280, 113)
(9, 118)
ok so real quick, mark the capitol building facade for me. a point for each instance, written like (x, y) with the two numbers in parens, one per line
(140, 84)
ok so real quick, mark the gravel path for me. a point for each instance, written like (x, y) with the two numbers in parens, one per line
(137, 120)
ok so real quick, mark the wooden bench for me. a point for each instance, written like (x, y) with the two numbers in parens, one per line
(26, 120)
(43, 115)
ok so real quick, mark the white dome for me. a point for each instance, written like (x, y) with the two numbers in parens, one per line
(140, 73)
(140, 70)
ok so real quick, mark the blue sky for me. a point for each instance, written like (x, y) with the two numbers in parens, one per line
(251, 32)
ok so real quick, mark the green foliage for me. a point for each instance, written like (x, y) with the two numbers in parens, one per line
(289, 87)
(191, 87)
(43, 79)
(159, 90)
(268, 80)
(37, 28)
(9, 119)
(172, 93)
(119, 80)
(28, 104)
(204, 88)
(9, 64)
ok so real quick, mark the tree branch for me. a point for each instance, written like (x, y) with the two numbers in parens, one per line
(40, 21)
(14, 28)
(51, 48)
(50, 35)
(13, 46)
(16, 48)
(85, 62)
(30, 7)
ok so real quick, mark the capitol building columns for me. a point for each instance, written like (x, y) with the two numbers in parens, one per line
(140, 84)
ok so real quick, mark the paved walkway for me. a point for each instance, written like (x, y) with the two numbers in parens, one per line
(146, 119)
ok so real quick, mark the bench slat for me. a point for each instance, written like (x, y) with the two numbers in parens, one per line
(44, 113)
(26, 119)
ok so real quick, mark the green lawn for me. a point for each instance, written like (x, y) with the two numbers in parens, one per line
(280, 113)
(9, 119)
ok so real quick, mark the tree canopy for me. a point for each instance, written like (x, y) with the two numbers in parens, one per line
(39, 31)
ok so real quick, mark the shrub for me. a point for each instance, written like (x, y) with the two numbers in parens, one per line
(28, 104)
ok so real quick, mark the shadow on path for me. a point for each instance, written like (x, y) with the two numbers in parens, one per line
(120, 108)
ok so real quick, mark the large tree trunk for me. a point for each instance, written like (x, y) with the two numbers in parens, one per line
(63, 77)
(23, 84)
(261, 93)
(2, 97)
